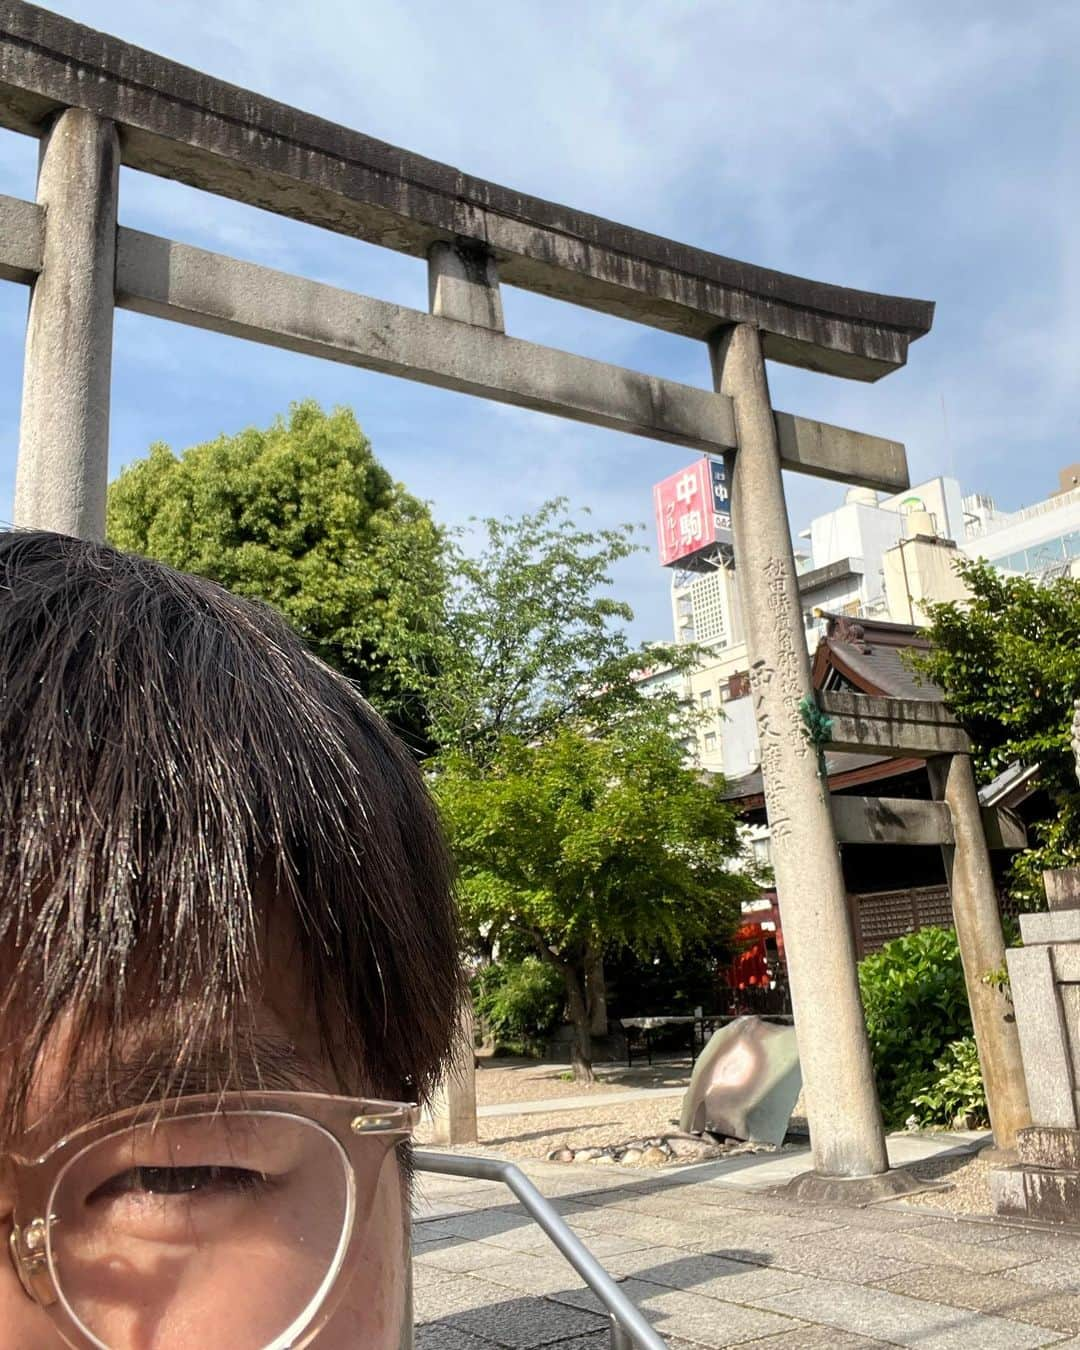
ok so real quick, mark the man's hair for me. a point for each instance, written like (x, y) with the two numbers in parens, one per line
(168, 754)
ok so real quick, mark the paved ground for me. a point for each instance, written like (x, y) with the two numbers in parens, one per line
(713, 1261)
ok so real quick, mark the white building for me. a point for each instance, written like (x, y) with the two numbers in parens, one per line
(881, 557)
(705, 609)
(1042, 540)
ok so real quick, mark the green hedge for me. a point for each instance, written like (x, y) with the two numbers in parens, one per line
(917, 1014)
(958, 1089)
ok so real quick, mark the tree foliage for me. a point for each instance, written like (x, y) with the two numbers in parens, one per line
(577, 828)
(1008, 661)
(582, 842)
(533, 639)
(303, 516)
(521, 1003)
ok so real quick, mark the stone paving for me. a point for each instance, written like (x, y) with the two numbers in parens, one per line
(712, 1262)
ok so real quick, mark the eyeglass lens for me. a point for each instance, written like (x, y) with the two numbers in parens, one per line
(208, 1230)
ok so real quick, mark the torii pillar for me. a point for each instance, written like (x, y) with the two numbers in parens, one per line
(453, 1110)
(846, 1132)
(61, 478)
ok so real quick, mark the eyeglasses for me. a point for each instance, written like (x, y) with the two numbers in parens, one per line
(233, 1219)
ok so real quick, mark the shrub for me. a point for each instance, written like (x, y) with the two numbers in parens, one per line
(521, 1001)
(916, 1006)
(957, 1090)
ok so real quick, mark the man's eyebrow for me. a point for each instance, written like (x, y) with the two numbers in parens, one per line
(146, 1070)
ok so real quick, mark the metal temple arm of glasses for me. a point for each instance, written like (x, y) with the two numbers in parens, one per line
(628, 1327)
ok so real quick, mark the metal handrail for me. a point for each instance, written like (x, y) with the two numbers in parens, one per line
(628, 1327)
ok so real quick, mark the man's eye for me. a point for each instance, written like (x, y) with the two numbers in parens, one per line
(180, 1181)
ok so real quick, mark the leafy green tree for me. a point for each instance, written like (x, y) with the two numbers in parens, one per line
(533, 639)
(303, 516)
(521, 1003)
(579, 842)
(1008, 661)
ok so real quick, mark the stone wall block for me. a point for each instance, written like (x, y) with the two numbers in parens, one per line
(1043, 1040)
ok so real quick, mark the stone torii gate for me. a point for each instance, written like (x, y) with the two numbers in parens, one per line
(95, 102)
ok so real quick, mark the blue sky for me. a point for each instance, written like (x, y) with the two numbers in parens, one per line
(923, 149)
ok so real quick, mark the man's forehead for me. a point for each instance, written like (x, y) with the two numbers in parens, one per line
(81, 1078)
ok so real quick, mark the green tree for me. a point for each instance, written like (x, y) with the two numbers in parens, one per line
(520, 1002)
(581, 842)
(533, 639)
(1008, 661)
(303, 516)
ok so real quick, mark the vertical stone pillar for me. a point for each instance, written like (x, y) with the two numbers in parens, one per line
(62, 472)
(982, 947)
(453, 1113)
(1062, 886)
(846, 1132)
(463, 284)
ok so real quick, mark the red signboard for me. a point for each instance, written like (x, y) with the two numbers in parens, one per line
(691, 511)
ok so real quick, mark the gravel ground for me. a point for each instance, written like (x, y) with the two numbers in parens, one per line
(528, 1080)
(535, 1136)
(968, 1181)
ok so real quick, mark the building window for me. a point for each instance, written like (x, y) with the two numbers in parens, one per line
(706, 698)
(710, 742)
(1040, 557)
(1045, 555)
(708, 595)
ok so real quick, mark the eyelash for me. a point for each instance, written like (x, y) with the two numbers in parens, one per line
(181, 1181)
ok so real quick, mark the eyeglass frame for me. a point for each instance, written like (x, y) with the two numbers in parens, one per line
(345, 1119)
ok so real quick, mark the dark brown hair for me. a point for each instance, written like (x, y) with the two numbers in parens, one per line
(164, 745)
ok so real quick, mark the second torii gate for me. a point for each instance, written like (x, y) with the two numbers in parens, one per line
(95, 102)
(899, 727)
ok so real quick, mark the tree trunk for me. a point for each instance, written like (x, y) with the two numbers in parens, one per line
(581, 1046)
(596, 993)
